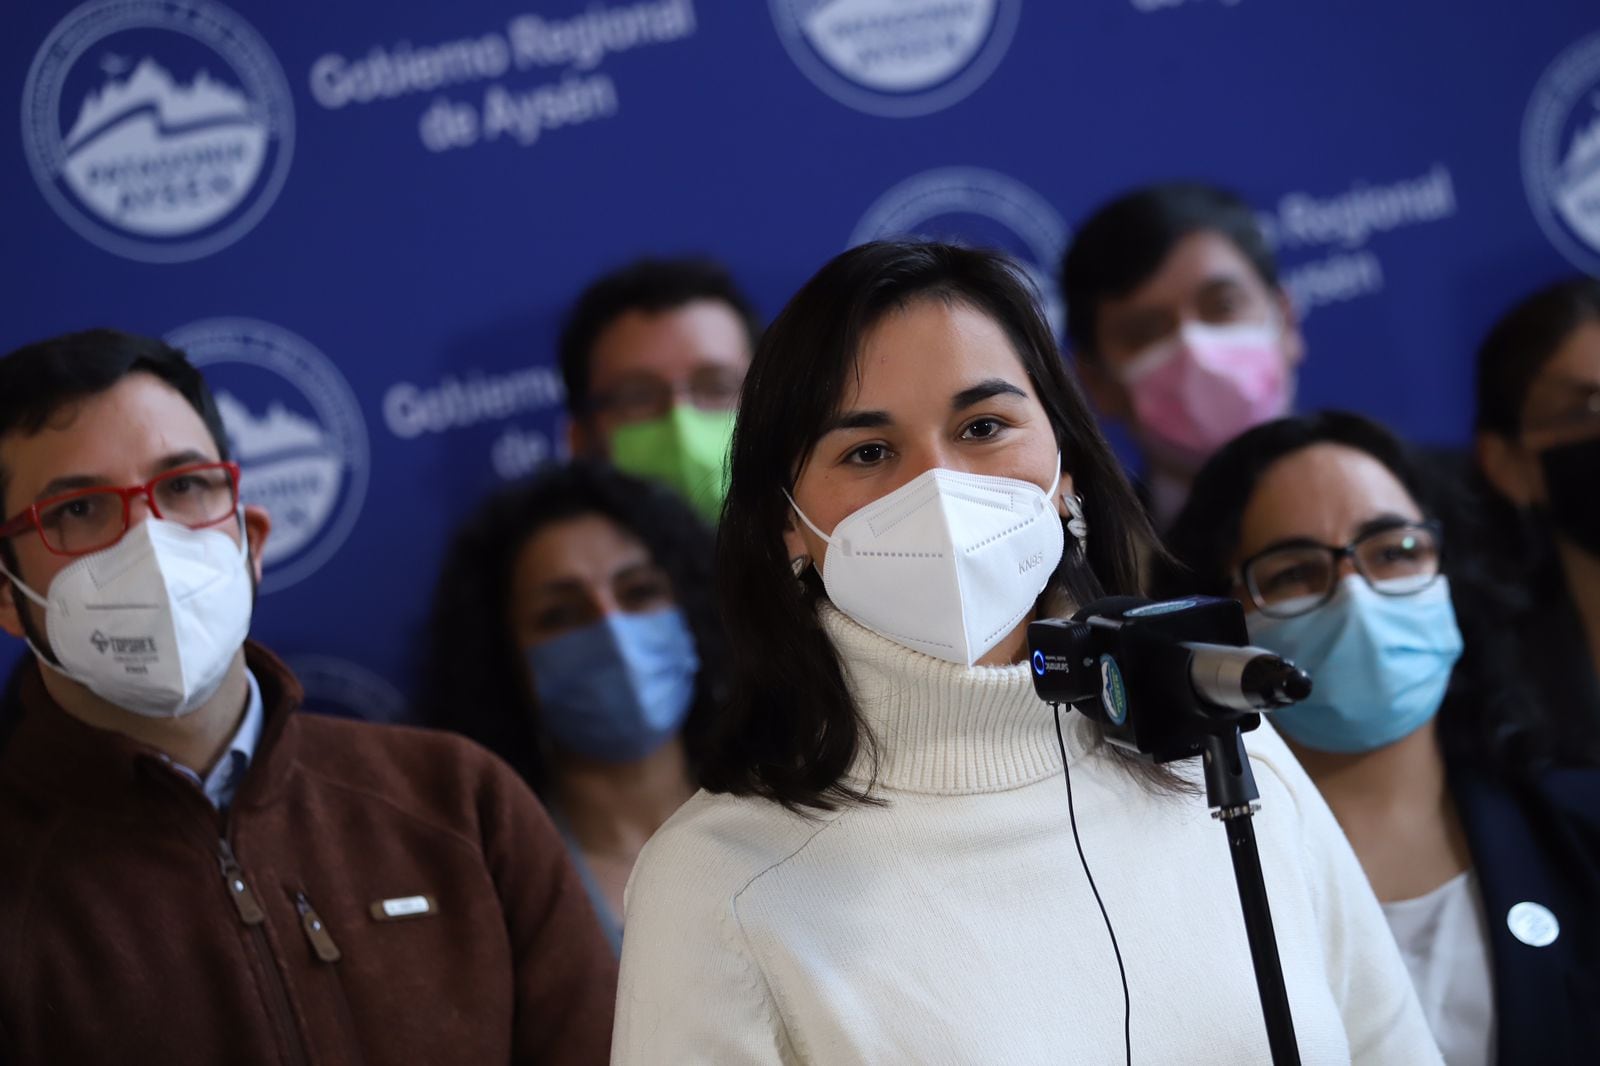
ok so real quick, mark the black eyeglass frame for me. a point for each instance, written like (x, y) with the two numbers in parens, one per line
(1245, 579)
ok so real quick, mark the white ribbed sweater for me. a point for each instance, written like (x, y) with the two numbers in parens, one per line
(954, 924)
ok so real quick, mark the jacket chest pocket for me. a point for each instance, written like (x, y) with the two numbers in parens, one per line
(385, 966)
(397, 937)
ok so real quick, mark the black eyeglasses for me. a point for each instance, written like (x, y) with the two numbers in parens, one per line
(1291, 579)
(643, 397)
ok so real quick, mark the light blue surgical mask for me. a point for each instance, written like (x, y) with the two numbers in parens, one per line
(616, 690)
(1379, 664)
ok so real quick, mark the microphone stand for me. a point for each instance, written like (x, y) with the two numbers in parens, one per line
(1231, 794)
(1151, 674)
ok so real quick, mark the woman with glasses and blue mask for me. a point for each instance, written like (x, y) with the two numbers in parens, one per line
(1430, 748)
(572, 634)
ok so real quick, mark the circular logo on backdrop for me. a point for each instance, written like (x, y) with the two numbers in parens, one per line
(346, 690)
(295, 429)
(897, 58)
(969, 205)
(159, 130)
(1561, 153)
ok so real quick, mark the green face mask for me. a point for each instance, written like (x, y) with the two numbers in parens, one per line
(686, 448)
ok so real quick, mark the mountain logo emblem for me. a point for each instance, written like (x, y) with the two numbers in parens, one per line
(896, 58)
(295, 428)
(1561, 153)
(979, 208)
(159, 130)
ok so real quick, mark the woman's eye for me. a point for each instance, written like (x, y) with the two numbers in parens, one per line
(1228, 304)
(1302, 576)
(868, 454)
(983, 429)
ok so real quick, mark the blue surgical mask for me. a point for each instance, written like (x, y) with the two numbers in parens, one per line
(618, 689)
(1379, 664)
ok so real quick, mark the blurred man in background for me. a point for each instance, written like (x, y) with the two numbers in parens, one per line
(653, 356)
(1180, 328)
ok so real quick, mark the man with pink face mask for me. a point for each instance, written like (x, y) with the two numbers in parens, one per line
(1180, 328)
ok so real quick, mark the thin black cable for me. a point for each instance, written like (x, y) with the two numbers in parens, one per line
(1072, 816)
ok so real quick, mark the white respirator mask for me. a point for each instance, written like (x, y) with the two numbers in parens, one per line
(152, 623)
(948, 563)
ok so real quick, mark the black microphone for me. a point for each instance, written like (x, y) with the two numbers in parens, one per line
(1244, 679)
(1161, 676)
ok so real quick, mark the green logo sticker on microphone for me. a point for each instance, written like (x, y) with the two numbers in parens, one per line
(1150, 609)
(1113, 693)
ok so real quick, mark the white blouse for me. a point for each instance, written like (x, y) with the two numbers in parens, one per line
(1444, 938)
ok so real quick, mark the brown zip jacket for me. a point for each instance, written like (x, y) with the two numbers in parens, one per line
(375, 895)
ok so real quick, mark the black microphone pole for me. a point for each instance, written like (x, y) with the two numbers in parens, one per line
(1174, 680)
(1231, 794)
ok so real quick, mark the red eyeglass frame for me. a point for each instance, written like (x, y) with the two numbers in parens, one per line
(28, 518)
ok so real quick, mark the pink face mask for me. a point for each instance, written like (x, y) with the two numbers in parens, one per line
(1198, 390)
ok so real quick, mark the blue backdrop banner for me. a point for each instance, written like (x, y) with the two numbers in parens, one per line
(364, 220)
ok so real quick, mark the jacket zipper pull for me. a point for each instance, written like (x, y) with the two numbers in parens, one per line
(316, 930)
(244, 900)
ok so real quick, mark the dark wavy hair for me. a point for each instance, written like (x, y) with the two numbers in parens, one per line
(1490, 720)
(790, 731)
(474, 677)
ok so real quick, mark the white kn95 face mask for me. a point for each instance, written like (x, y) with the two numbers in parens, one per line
(152, 623)
(948, 563)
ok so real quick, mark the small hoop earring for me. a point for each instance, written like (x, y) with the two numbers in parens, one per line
(1077, 524)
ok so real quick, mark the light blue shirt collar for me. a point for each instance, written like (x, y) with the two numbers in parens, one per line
(222, 782)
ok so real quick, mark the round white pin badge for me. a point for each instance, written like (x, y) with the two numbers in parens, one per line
(1533, 924)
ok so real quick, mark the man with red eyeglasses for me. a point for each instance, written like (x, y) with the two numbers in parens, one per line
(190, 870)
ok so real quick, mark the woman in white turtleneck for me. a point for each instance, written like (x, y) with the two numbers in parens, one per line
(881, 867)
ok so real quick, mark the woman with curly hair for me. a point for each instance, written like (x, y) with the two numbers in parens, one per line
(572, 633)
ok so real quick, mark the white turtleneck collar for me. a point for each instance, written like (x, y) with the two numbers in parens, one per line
(942, 728)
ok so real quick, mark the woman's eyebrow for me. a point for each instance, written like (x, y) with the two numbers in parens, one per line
(642, 568)
(984, 390)
(1379, 523)
(1376, 524)
(858, 420)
